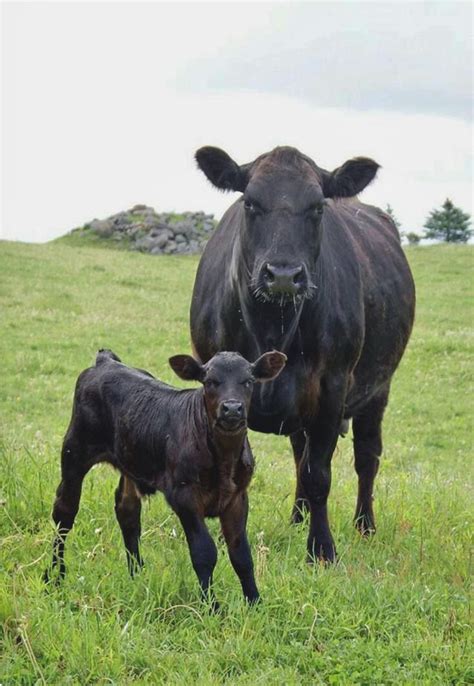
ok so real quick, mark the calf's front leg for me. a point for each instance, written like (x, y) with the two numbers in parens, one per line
(202, 550)
(234, 523)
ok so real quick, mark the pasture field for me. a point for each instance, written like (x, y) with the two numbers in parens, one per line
(394, 610)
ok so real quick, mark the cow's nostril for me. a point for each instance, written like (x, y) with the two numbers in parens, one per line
(269, 273)
(298, 278)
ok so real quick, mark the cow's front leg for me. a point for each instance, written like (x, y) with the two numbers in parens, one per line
(300, 507)
(202, 550)
(233, 523)
(315, 469)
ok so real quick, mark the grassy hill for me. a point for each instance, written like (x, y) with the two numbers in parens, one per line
(395, 609)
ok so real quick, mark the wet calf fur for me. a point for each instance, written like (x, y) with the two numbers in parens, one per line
(189, 444)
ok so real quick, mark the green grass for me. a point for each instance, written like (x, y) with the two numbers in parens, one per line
(395, 610)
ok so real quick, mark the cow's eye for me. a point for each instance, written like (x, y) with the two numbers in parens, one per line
(316, 210)
(252, 207)
(249, 206)
(247, 383)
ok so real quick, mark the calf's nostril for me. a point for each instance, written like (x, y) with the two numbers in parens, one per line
(234, 409)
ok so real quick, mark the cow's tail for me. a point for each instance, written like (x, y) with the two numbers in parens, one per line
(105, 355)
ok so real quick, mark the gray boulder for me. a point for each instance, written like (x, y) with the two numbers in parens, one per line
(160, 239)
(169, 248)
(102, 227)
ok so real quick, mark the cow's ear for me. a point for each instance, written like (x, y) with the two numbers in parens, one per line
(268, 366)
(350, 179)
(186, 367)
(221, 170)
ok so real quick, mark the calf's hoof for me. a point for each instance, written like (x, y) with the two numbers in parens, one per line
(253, 600)
(135, 567)
(214, 606)
(209, 599)
(53, 578)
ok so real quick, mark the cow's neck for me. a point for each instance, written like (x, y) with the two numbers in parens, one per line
(268, 325)
(273, 325)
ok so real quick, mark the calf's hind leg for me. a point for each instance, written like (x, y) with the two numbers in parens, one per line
(367, 430)
(128, 509)
(66, 505)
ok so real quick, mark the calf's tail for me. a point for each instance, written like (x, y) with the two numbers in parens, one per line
(105, 355)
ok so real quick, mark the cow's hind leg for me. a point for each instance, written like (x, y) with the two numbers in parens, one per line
(128, 510)
(73, 470)
(301, 506)
(367, 430)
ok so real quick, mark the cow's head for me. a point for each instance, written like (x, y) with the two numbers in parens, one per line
(284, 194)
(228, 381)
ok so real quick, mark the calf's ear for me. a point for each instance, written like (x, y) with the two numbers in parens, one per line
(268, 366)
(186, 367)
(221, 170)
(349, 179)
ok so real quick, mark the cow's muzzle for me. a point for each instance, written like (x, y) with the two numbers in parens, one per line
(284, 280)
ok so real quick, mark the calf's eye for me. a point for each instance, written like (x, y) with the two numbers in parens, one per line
(212, 383)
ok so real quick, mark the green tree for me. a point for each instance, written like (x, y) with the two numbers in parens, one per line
(413, 238)
(390, 212)
(448, 224)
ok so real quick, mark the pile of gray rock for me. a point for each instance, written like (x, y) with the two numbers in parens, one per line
(141, 228)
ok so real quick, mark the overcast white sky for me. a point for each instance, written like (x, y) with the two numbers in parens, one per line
(104, 104)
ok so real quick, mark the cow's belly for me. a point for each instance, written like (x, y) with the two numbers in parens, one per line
(275, 412)
(280, 424)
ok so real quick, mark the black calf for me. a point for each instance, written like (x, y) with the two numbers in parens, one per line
(190, 444)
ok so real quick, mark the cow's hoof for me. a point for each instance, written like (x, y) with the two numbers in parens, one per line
(297, 517)
(323, 553)
(365, 525)
(300, 509)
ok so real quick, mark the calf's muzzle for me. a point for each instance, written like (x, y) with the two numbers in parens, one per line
(231, 415)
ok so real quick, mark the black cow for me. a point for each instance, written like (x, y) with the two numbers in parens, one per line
(190, 444)
(299, 264)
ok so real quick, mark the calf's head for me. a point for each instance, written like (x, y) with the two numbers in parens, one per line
(283, 198)
(228, 380)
